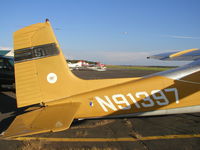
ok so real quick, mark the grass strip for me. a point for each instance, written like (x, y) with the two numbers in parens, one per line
(156, 68)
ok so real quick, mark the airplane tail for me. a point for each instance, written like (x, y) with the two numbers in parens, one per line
(40, 66)
(41, 75)
(41, 71)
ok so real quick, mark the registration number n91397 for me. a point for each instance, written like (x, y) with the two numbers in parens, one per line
(138, 100)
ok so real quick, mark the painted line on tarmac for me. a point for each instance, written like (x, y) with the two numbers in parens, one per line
(128, 139)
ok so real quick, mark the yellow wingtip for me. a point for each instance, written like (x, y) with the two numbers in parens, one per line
(183, 52)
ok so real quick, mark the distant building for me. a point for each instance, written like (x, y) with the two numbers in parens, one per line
(7, 53)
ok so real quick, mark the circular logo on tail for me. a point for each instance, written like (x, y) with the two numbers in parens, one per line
(52, 78)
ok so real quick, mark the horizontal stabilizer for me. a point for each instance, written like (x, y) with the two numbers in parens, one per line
(186, 55)
(50, 118)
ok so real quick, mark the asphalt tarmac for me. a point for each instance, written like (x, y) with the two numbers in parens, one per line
(172, 132)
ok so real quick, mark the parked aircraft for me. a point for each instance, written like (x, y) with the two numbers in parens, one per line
(50, 97)
(84, 65)
(97, 67)
(77, 65)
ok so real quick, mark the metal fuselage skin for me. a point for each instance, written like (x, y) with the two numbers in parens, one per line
(154, 95)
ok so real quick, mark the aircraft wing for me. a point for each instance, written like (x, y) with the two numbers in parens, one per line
(50, 118)
(186, 55)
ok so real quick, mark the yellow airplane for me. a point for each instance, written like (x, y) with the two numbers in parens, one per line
(51, 97)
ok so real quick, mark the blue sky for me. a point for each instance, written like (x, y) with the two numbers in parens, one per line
(110, 31)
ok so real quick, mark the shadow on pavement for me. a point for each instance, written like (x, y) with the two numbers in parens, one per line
(8, 108)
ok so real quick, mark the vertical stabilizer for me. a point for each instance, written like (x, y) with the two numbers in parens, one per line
(40, 67)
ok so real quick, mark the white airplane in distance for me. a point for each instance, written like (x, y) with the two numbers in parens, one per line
(77, 65)
(98, 67)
